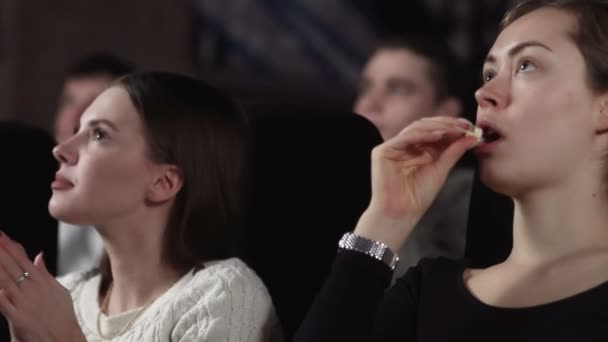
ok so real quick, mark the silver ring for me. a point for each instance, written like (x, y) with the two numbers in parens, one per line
(24, 276)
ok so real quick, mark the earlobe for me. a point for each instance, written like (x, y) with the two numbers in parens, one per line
(166, 185)
(602, 122)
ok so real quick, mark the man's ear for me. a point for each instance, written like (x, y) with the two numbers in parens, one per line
(167, 184)
(450, 106)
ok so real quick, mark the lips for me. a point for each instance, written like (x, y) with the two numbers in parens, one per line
(61, 183)
(492, 136)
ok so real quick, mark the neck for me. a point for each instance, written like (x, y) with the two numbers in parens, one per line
(554, 223)
(140, 270)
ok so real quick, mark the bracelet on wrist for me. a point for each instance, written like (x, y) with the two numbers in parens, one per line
(374, 249)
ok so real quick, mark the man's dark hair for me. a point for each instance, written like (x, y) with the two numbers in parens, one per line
(444, 64)
(96, 64)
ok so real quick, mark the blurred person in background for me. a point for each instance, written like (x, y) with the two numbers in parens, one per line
(408, 78)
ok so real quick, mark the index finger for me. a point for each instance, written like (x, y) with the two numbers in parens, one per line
(16, 252)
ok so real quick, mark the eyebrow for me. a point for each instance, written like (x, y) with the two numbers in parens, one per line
(97, 122)
(401, 80)
(518, 48)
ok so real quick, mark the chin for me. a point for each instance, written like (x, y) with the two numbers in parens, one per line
(59, 213)
(66, 214)
(498, 182)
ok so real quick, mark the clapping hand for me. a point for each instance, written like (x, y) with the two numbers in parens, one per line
(37, 307)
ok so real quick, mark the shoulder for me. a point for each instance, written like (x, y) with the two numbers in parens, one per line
(440, 266)
(233, 269)
(74, 280)
(217, 280)
(225, 298)
(431, 270)
(232, 277)
(429, 276)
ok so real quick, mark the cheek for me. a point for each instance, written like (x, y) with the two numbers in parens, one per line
(108, 182)
(553, 116)
(358, 105)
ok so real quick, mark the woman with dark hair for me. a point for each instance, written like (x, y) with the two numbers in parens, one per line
(155, 166)
(543, 108)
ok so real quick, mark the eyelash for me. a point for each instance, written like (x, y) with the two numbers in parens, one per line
(97, 134)
(522, 62)
(487, 76)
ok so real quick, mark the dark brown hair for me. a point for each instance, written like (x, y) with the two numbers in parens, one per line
(100, 63)
(444, 65)
(590, 34)
(192, 125)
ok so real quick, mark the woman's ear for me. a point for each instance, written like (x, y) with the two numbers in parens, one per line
(166, 185)
(450, 106)
(602, 119)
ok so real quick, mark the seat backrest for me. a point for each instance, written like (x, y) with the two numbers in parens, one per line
(308, 183)
(27, 172)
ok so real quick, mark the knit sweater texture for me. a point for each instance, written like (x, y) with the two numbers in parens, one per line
(224, 301)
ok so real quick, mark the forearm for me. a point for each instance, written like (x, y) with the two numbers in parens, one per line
(346, 307)
(74, 335)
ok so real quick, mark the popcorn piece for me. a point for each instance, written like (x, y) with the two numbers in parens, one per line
(475, 132)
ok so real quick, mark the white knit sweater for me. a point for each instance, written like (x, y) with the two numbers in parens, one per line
(225, 301)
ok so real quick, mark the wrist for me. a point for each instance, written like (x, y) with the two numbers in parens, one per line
(387, 230)
(374, 249)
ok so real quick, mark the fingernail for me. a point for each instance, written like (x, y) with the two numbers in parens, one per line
(463, 120)
(5, 236)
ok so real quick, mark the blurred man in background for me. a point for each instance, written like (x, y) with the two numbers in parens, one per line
(84, 80)
(406, 79)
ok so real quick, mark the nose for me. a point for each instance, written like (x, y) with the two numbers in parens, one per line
(494, 94)
(369, 104)
(65, 152)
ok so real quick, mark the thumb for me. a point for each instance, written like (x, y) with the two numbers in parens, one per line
(39, 262)
(450, 156)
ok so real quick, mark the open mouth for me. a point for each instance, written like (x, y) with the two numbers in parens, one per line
(491, 135)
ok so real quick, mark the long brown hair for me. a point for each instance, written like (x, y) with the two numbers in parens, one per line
(192, 125)
(590, 34)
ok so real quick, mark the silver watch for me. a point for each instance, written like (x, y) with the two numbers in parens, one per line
(375, 249)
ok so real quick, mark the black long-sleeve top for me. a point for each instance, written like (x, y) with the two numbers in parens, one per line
(431, 303)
